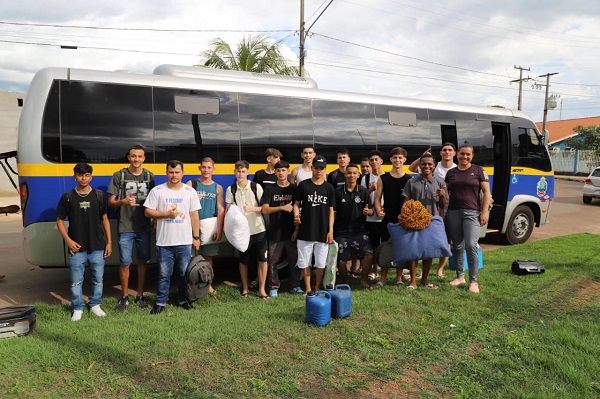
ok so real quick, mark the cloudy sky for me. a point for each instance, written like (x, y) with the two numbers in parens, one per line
(459, 50)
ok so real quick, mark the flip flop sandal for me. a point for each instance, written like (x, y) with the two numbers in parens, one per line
(244, 294)
(410, 287)
(432, 286)
(379, 284)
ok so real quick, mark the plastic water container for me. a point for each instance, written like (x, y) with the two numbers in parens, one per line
(318, 308)
(341, 301)
(452, 262)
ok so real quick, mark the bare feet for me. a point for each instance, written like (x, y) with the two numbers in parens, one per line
(458, 281)
(474, 288)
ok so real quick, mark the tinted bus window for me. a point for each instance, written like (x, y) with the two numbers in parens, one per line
(396, 128)
(478, 133)
(267, 121)
(344, 124)
(528, 150)
(190, 136)
(100, 122)
(50, 128)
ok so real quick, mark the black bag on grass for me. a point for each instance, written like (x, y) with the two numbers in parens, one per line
(17, 320)
(198, 277)
(521, 267)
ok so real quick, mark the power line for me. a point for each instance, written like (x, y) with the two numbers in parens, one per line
(409, 57)
(145, 29)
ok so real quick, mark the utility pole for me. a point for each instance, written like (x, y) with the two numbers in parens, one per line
(520, 80)
(304, 32)
(302, 37)
(547, 76)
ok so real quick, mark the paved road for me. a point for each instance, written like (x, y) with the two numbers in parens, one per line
(26, 284)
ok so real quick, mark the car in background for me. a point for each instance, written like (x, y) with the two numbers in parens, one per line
(591, 188)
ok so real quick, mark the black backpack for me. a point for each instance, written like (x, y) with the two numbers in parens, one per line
(253, 187)
(198, 277)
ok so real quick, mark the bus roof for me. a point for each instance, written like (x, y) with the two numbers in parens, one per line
(199, 78)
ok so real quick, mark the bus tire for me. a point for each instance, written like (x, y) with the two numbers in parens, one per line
(520, 226)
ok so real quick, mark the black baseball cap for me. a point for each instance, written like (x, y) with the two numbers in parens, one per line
(319, 161)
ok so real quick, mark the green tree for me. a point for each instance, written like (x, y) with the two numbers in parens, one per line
(588, 138)
(253, 54)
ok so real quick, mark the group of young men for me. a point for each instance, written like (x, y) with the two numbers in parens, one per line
(293, 216)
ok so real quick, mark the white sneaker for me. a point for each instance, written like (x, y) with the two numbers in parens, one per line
(77, 315)
(97, 311)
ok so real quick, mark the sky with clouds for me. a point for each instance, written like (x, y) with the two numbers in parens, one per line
(460, 50)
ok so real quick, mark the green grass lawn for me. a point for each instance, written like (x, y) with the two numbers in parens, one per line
(534, 336)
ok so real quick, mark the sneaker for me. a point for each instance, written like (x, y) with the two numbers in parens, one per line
(156, 309)
(186, 305)
(77, 315)
(297, 290)
(273, 293)
(122, 305)
(141, 301)
(97, 311)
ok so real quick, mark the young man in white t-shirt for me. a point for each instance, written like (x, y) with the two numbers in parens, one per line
(174, 206)
(370, 183)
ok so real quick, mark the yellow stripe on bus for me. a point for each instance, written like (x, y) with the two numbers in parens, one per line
(55, 170)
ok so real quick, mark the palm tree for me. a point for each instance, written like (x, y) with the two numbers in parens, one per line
(253, 54)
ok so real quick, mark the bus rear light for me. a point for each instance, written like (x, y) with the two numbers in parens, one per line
(24, 194)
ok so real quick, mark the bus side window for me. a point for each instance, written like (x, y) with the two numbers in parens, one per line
(528, 150)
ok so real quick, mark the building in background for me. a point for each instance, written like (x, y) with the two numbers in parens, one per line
(10, 111)
(560, 131)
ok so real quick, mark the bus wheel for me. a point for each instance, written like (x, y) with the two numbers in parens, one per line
(520, 226)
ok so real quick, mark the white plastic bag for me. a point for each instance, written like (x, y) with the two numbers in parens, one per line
(236, 228)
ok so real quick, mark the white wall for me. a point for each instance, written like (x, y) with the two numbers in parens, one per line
(10, 111)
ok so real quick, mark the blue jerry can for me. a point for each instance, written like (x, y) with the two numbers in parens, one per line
(318, 308)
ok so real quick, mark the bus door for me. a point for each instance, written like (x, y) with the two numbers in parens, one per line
(502, 162)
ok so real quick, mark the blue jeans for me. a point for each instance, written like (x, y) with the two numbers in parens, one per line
(77, 270)
(175, 257)
(464, 229)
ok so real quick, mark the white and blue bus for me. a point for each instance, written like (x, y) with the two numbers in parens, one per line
(185, 113)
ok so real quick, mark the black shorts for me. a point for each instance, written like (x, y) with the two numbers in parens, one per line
(374, 234)
(259, 246)
(383, 231)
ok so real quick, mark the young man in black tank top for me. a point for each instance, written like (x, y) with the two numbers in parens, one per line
(389, 188)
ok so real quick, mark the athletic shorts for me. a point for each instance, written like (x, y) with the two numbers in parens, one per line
(209, 250)
(360, 243)
(306, 249)
(374, 234)
(259, 246)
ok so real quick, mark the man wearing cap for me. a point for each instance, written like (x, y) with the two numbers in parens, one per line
(313, 213)
(277, 202)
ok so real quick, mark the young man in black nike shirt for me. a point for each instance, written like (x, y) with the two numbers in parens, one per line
(313, 212)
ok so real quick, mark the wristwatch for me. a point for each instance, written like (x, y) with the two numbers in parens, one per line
(196, 237)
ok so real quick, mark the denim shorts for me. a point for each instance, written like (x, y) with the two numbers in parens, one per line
(142, 247)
